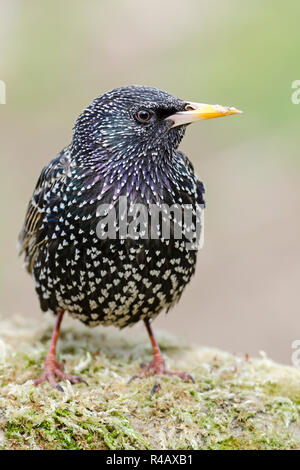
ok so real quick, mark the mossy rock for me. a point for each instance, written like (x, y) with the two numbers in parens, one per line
(235, 403)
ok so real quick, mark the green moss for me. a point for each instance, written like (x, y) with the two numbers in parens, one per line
(234, 403)
(64, 430)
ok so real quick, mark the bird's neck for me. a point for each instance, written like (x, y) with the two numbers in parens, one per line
(118, 160)
(148, 174)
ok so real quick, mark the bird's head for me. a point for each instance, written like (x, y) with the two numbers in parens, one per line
(139, 120)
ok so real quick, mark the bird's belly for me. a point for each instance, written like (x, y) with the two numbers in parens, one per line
(114, 283)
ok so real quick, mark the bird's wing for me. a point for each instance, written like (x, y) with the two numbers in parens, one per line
(34, 231)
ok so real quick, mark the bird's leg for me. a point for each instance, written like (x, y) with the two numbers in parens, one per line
(157, 365)
(53, 369)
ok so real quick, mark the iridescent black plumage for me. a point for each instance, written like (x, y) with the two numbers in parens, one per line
(115, 282)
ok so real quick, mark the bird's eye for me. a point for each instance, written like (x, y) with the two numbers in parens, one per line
(143, 115)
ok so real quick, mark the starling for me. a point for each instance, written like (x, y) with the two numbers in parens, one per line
(124, 149)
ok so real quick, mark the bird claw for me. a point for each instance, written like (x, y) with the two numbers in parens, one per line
(155, 388)
(157, 367)
(54, 370)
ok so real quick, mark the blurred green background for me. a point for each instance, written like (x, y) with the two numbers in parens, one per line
(55, 57)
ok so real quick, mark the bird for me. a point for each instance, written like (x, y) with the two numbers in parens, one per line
(82, 244)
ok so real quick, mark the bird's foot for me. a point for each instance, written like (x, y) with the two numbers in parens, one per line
(158, 367)
(54, 370)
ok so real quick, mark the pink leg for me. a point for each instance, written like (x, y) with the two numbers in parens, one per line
(53, 369)
(157, 365)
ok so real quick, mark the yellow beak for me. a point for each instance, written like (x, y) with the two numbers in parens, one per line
(198, 111)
